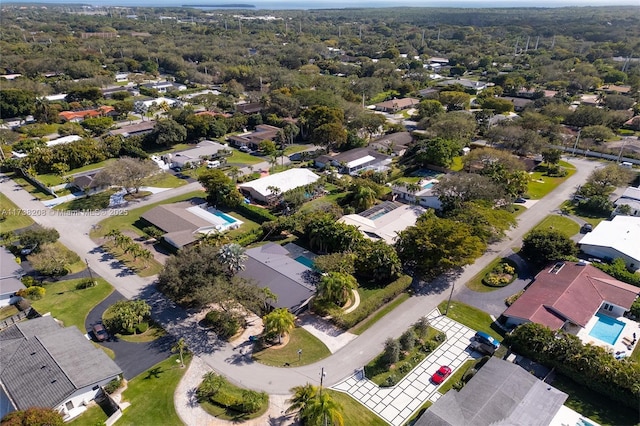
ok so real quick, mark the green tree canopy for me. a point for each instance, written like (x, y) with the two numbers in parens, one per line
(542, 246)
(279, 321)
(438, 151)
(334, 287)
(377, 261)
(221, 191)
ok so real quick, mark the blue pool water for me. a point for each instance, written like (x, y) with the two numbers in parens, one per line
(226, 217)
(427, 186)
(378, 215)
(305, 261)
(607, 329)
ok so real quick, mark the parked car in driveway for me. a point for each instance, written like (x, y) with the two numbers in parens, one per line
(483, 337)
(99, 332)
(587, 227)
(441, 375)
(482, 347)
(28, 249)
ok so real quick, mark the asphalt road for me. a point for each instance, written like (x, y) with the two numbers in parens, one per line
(222, 357)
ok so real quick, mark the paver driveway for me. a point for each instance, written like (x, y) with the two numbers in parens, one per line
(395, 405)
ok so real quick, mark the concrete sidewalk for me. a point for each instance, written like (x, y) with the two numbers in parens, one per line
(333, 337)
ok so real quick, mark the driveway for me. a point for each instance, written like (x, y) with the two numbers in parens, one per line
(133, 358)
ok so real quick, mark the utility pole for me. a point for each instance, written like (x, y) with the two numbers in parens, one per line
(453, 286)
(537, 40)
(89, 269)
(576, 144)
(624, 142)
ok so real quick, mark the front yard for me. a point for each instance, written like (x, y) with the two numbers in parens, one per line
(313, 350)
(12, 217)
(471, 317)
(540, 184)
(565, 225)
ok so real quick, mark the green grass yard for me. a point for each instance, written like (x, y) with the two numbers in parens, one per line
(456, 376)
(471, 317)
(229, 414)
(353, 412)
(566, 226)
(31, 189)
(476, 283)
(97, 201)
(573, 209)
(313, 350)
(242, 158)
(540, 184)
(69, 304)
(164, 180)
(378, 315)
(14, 217)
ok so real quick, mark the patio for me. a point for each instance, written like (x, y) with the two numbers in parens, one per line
(620, 346)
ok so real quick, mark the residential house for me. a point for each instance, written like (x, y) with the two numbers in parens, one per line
(419, 193)
(395, 105)
(519, 104)
(615, 89)
(262, 190)
(80, 116)
(214, 114)
(394, 144)
(567, 295)
(10, 274)
(618, 237)
(631, 199)
(165, 86)
(194, 156)
(64, 140)
(476, 86)
(633, 122)
(185, 222)
(384, 221)
(122, 77)
(500, 393)
(249, 108)
(251, 140)
(143, 106)
(87, 182)
(141, 128)
(274, 267)
(46, 365)
(109, 91)
(355, 160)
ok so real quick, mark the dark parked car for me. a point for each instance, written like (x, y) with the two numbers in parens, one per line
(482, 347)
(99, 332)
(440, 375)
(483, 337)
(28, 249)
(587, 227)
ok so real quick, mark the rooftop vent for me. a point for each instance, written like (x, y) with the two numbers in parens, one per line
(556, 268)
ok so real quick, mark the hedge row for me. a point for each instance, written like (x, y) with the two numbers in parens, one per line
(257, 214)
(369, 306)
(249, 237)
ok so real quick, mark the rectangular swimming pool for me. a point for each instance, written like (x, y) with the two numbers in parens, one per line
(305, 261)
(223, 216)
(607, 329)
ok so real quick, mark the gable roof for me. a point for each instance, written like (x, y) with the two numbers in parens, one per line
(398, 103)
(501, 393)
(377, 224)
(272, 266)
(621, 233)
(43, 363)
(570, 291)
(10, 273)
(97, 112)
(262, 132)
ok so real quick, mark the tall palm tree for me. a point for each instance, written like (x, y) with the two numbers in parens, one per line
(301, 398)
(211, 384)
(335, 287)
(279, 321)
(234, 172)
(180, 347)
(322, 410)
(233, 256)
(214, 238)
(363, 197)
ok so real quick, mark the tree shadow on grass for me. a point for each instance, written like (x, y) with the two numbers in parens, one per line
(154, 373)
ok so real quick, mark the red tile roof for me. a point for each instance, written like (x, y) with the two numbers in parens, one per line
(97, 112)
(214, 114)
(574, 293)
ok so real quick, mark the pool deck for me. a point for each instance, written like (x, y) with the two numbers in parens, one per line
(630, 327)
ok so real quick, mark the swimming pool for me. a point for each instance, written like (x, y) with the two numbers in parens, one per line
(429, 185)
(607, 329)
(305, 261)
(223, 216)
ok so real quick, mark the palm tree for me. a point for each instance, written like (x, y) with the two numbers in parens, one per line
(279, 321)
(234, 172)
(301, 398)
(268, 295)
(213, 238)
(363, 197)
(323, 411)
(335, 287)
(211, 384)
(179, 347)
(233, 256)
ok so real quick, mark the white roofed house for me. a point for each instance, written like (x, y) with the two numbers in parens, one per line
(617, 238)
(10, 274)
(629, 203)
(262, 190)
(355, 160)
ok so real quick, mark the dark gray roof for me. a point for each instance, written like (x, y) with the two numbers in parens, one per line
(271, 266)
(399, 139)
(501, 393)
(10, 273)
(357, 153)
(44, 364)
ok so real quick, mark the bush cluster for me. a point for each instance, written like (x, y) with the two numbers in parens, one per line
(588, 365)
(32, 293)
(249, 237)
(218, 391)
(113, 385)
(223, 323)
(257, 214)
(367, 307)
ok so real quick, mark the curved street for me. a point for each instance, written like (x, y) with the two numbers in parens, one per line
(221, 356)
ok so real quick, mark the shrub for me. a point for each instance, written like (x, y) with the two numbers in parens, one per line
(252, 401)
(86, 283)
(113, 385)
(366, 308)
(257, 214)
(142, 327)
(32, 293)
(408, 340)
(249, 237)
(28, 281)
(391, 351)
(225, 399)
(223, 323)
(421, 327)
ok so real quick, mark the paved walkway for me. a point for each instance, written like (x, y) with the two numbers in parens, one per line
(396, 404)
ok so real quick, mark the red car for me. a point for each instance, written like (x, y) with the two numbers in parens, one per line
(440, 375)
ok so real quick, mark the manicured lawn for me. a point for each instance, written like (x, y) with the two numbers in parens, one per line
(230, 414)
(89, 167)
(27, 186)
(540, 184)
(366, 324)
(408, 179)
(164, 180)
(574, 210)
(456, 376)
(127, 222)
(563, 224)
(418, 413)
(143, 268)
(97, 201)
(151, 394)
(471, 317)
(153, 332)
(50, 179)
(476, 283)
(239, 157)
(247, 225)
(71, 305)
(312, 350)
(594, 405)
(292, 149)
(354, 413)
(8, 311)
(14, 217)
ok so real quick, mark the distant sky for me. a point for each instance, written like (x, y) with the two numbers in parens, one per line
(317, 4)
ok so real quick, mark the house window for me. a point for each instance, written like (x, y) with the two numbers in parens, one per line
(69, 405)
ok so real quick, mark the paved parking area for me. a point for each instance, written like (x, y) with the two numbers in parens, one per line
(395, 405)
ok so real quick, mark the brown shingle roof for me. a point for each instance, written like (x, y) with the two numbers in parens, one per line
(574, 293)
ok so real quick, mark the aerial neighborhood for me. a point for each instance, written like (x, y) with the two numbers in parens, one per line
(392, 216)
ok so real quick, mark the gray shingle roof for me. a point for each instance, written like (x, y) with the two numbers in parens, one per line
(271, 266)
(501, 393)
(43, 363)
